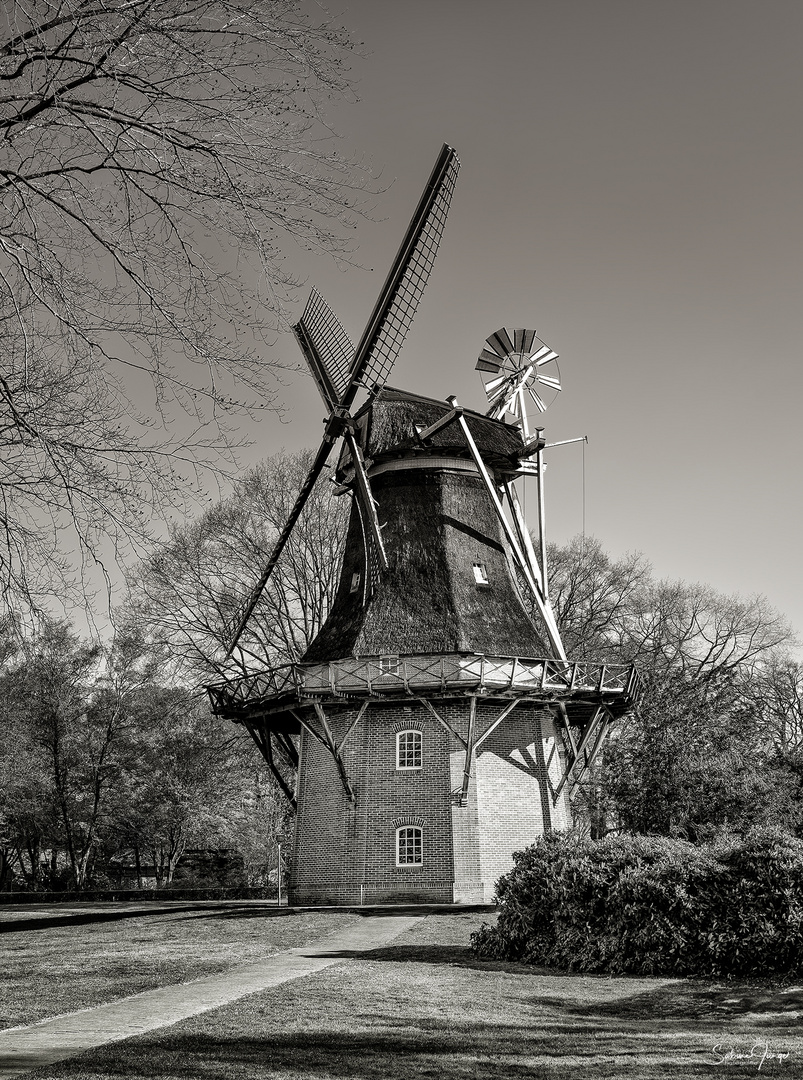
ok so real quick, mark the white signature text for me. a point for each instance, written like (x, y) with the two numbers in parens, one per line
(758, 1052)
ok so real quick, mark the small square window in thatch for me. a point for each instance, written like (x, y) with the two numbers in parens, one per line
(355, 582)
(481, 573)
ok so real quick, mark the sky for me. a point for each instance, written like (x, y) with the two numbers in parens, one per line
(630, 188)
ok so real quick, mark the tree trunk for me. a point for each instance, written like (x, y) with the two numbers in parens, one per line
(5, 869)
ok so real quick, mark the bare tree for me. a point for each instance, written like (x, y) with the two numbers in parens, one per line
(186, 596)
(719, 693)
(157, 158)
(781, 690)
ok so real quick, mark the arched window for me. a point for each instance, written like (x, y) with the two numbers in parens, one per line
(408, 750)
(409, 846)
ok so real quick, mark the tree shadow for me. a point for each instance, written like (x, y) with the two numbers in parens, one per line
(678, 997)
(366, 912)
(408, 1046)
(90, 918)
(454, 955)
(707, 1005)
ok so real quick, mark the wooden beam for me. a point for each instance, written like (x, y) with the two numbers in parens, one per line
(333, 750)
(309, 728)
(539, 457)
(367, 500)
(588, 731)
(523, 533)
(355, 721)
(439, 425)
(548, 617)
(567, 727)
(529, 551)
(288, 746)
(262, 739)
(441, 721)
(472, 717)
(277, 774)
(508, 709)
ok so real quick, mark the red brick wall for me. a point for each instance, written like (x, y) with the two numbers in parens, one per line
(347, 854)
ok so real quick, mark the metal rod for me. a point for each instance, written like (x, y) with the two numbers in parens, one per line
(279, 876)
(565, 442)
(543, 606)
(539, 457)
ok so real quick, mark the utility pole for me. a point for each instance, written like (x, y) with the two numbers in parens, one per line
(279, 876)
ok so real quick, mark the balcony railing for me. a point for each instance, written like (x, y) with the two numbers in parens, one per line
(416, 675)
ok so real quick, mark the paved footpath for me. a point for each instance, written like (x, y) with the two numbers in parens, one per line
(49, 1041)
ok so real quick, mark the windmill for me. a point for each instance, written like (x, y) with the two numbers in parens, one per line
(435, 721)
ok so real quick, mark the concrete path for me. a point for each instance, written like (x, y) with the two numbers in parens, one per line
(49, 1041)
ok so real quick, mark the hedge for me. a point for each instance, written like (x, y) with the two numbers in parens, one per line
(650, 905)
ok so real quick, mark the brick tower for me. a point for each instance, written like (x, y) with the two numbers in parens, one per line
(435, 721)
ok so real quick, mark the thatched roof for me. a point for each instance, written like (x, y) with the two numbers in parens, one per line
(436, 524)
(387, 429)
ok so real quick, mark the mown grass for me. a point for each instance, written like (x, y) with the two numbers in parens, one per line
(423, 1007)
(56, 959)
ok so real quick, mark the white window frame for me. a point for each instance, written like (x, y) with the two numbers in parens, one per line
(420, 845)
(480, 573)
(399, 737)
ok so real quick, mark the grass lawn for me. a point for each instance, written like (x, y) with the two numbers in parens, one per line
(422, 1007)
(58, 958)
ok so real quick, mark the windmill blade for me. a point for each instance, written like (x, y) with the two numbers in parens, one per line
(547, 380)
(543, 356)
(501, 343)
(326, 348)
(496, 386)
(523, 341)
(317, 467)
(539, 402)
(387, 328)
(488, 361)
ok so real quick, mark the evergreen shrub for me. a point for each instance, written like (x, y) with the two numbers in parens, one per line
(652, 905)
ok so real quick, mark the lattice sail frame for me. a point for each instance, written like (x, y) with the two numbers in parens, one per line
(325, 346)
(511, 366)
(399, 301)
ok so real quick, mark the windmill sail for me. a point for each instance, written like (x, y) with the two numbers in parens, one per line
(397, 304)
(326, 347)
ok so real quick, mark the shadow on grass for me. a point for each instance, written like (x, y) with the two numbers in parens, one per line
(379, 910)
(455, 955)
(678, 997)
(432, 1048)
(90, 918)
(706, 1005)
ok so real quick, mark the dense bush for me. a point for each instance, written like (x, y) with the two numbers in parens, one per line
(651, 905)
